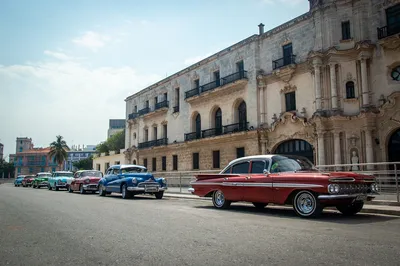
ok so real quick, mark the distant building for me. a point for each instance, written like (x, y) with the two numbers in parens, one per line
(1, 151)
(11, 158)
(76, 154)
(115, 126)
(23, 144)
(34, 160)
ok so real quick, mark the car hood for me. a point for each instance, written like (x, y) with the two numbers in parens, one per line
(324, 177)
(41, 179)
(92, 179)
(63, 178)
(140, 176)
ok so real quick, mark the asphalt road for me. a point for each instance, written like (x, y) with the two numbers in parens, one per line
(41, 227)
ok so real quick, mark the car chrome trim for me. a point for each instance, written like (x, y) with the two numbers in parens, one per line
(142, 189)
(249, 184)
(191, 190)
(344, 179)
(343, 196)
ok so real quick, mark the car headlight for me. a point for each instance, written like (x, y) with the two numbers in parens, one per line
(59, 181)
(333, 188)
(374, 188)
(134, 181)
(164, 181)
(87, 180)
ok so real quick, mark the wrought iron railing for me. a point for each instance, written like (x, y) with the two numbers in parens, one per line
(284, 61)
(192, 136)
(36, 163)
(133, 115)
(144, 111)
(161, 105)
(386, 31)
(212, 132)
(237, 127)
(153, 143)
(210, 86)
(193, 92)
(234, 77)
(176, 109)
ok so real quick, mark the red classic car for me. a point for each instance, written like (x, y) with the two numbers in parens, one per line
(85, 180)
(283, 180)
(27, 181)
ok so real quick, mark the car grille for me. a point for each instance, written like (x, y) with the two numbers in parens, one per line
(354, 188)
(91, 186)
(148, 184)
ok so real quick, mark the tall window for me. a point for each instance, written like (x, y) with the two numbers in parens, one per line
(287, 54)
(155, 135)
(165, 96)
(240, 66)
(175, 162)
(196, 83)
(218, 122)
(145, 162)
(165, 131)
(135, 109)
(155, 102)
(147, 104)
(216, 159)
(240, 152)
(350, 92)
(198, 126)
(393, 19)
(346, 30)
(242, 116)
(164, 163)
(217, 78)
(196, 160)
(176, 108)
(146, 135)
(290, 101)
(154, 164)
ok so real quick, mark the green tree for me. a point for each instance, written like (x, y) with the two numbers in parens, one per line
(115, 143)
(6, 169)
(58, 150)
(84, 164)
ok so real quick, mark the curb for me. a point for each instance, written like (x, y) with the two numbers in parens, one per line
(366, 209)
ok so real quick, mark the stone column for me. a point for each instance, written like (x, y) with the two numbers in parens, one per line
(334, 98)
(364, 81)
(321, 149)
(262, 105)
(317, 83)
(337, 151)
(369, 149)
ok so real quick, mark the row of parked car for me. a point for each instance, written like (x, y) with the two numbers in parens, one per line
(128, 180)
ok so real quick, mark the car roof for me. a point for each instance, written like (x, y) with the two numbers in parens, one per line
(253, 157)
(63, 172)
(81, 171)
(44, 173)
(122, 166)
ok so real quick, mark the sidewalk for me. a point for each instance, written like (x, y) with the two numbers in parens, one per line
(377, 208)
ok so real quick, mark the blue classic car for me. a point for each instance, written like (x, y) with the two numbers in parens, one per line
(18, 180)
(130, 180)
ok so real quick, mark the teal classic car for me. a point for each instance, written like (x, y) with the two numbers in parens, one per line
(41, 180)
(60, 179)
(18, 180)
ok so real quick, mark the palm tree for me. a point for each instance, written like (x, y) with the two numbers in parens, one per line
(58, 150)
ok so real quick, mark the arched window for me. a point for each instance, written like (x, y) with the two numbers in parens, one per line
(395, 74)
(134, 161)
(242, 116)
(218, 122)
(350, 93)
(198, 126)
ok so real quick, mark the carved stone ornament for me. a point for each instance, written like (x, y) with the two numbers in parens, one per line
(164, 122)
(391, 42)
(353, 140)
(285, 73)
(195, 75)
(288, 88)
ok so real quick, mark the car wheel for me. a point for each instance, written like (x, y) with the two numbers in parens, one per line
(81, 189)
(70, 189)
(49, 187)
(259, 205)
(15, 185)
(305, 204)
(125, 193)
(159, 195)
(102, 191)
(350, 209)
(219, 200)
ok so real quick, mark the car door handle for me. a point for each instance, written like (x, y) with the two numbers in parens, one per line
(248, 177)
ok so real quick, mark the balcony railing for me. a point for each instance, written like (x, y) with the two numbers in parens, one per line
(36, 163)
(386, 31)
(284, 61)
(161, 105)
(237, 127)
(144, 111)
(176, 109)
(217, 83)
(153, 143)
(133, 115)
(212, 132)
(18, 163)
(53, 164)
(191, 93)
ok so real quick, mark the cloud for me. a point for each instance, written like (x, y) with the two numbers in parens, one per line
(92, 40)
(64, 97)
(58, 55)
(291, 3)
(195, 59)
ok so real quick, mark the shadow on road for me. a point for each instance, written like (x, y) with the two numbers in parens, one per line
(287, 212)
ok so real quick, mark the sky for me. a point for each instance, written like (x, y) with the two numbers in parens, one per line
(66, 67)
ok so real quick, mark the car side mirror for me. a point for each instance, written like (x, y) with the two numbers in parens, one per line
(266, 172)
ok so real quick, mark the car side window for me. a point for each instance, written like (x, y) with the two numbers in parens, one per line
(241, 168)
(257, 167)
(227, 171)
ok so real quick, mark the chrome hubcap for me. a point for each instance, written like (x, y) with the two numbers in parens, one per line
(123, 192)
(305, 203)
(219, 198)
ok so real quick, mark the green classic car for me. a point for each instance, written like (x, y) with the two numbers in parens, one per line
(41, 180)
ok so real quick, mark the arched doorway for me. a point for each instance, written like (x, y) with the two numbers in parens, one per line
(296, 147)
(394, 147)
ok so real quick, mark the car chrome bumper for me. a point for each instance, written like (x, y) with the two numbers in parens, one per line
(347, 196)
(191, 190)
(91, 187)
(148, 190)
(43, 184)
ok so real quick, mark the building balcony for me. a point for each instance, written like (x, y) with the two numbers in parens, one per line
(144, 111)
(133, 116)
(153, 143)
(163, 104)
(18, 163)
(53, 164)
(36, 163)
(386, 31)
(216, 85)
(213, 132)
(284, 61)
(176, 109)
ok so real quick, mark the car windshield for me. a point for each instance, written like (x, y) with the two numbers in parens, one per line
(291, 164)
(63, 174)
(133, 170)
(92, 173)
(44, 175)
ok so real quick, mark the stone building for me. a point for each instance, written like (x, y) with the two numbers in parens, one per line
(324, 85)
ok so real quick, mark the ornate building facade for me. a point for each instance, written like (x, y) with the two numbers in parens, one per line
(325, 85)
